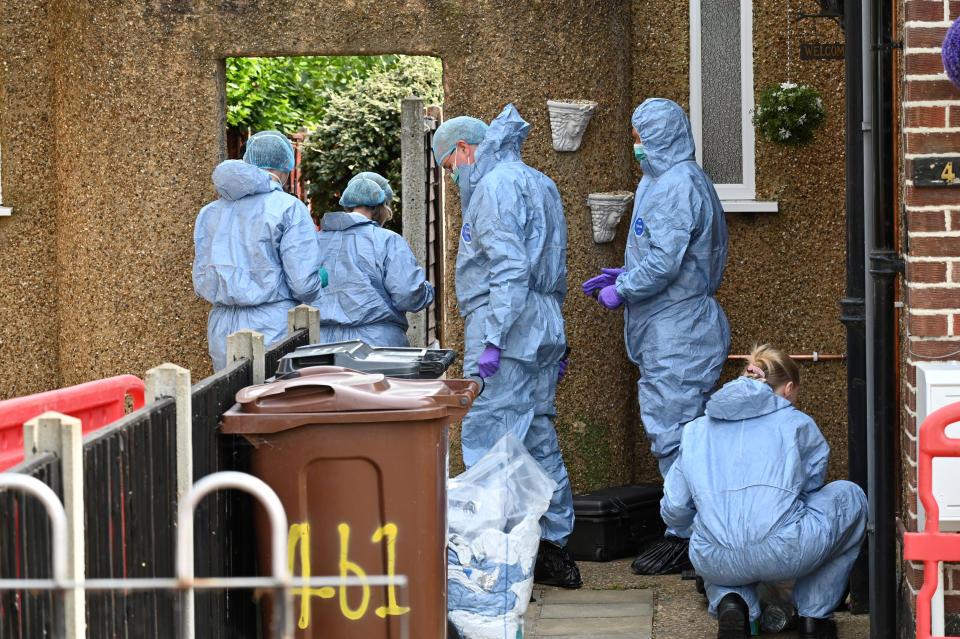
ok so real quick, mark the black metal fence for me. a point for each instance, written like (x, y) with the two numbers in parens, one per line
(130, 510)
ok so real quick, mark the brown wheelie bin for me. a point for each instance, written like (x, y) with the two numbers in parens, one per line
(359, 461)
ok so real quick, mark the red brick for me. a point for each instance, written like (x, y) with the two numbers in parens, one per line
(951, 604)
(911, 372)
(913, 575)
(909, 425)
(926, 116)
(936, 142)
(937, 349)
(933, 298)
(928, 326)
(932, 196)
(955, 220)
(923, 63)
(924, 37)
(954, 9)
(951, 576)
(923, 11)
(926, 221)
(954, 116)
(931, 90)
(955, 271)
(935, 246)
(956, 325)
(927, 272)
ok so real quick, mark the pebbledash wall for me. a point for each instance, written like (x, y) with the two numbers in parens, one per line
(930, 124)
(112, 119)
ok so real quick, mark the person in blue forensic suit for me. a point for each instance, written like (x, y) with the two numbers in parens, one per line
(374, 277)
(749, 477)
(675, 330)
(256, 254)
(511, 282)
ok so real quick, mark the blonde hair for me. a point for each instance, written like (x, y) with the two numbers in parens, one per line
(768, 364)
(382, 213)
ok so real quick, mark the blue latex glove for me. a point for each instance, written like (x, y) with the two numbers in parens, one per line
(608, 277)
(489, 362)
(563, 369)
(610, 298)
(324, 278)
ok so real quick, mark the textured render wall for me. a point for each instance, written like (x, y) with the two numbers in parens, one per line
(112, 123)
(930, 123)
(132, 92)
(785, 272)
(28, 240)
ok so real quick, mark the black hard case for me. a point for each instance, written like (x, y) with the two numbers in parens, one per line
(615, 522)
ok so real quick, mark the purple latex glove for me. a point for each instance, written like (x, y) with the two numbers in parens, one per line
(610, 298)
(608, 277)
(563, 369)
(489, 362)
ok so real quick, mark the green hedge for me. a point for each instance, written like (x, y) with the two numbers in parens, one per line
(360, 131)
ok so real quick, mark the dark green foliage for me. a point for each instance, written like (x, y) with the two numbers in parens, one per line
(788, 114)
(360, 131)
(288, 93)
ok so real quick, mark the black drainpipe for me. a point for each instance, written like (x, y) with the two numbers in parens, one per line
(885, 264)
(852, 306)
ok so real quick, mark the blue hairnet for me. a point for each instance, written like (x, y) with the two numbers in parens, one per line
(270, 150)
(470, 130)
(362, 192)
(379, 179)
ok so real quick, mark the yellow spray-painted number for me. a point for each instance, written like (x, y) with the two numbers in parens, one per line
(947, 173)
(300, 535)
(390, 532)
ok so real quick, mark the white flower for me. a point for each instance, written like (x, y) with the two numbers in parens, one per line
(819, 103)
(784, 134)
(787, 85)
(802, 119)
(782, 107)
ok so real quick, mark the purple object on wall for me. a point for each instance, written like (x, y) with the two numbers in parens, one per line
(951, 53)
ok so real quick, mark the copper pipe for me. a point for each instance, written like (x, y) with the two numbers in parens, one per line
(815, 356)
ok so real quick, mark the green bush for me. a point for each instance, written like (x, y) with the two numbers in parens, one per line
(788, 114)
(288, 93)
(360, 131)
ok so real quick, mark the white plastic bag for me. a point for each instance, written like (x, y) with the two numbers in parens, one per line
(493, 511)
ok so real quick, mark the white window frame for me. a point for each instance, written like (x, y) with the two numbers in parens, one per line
(740, 196)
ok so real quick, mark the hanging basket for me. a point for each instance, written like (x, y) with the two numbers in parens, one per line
(788, 114)
(951, 53)
(568, 121)
(606, 209)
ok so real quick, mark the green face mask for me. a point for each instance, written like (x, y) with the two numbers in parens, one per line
(456, 176)
(639, 153)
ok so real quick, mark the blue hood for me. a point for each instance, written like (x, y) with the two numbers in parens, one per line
(744, 398)
(341, 220)
(235, 179)
(501, 144)
(665, 133)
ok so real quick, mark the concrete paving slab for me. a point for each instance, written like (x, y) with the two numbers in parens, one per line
(599, 596)
(553, 610)
(592, 626)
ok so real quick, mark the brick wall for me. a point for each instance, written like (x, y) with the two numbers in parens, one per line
(931, 127)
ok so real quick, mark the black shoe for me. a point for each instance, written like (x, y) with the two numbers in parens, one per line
(555, 567)
(733, 617)
(812, 628)
(664, 556)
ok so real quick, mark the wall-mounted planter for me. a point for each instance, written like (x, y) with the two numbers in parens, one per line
(606, 209)
(568, 121)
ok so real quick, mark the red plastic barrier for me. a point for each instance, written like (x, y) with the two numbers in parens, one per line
(95, 404)
(931, 545)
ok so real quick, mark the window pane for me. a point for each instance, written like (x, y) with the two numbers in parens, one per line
(722, 140)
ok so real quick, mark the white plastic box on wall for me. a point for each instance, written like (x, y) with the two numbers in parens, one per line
(938, 384)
